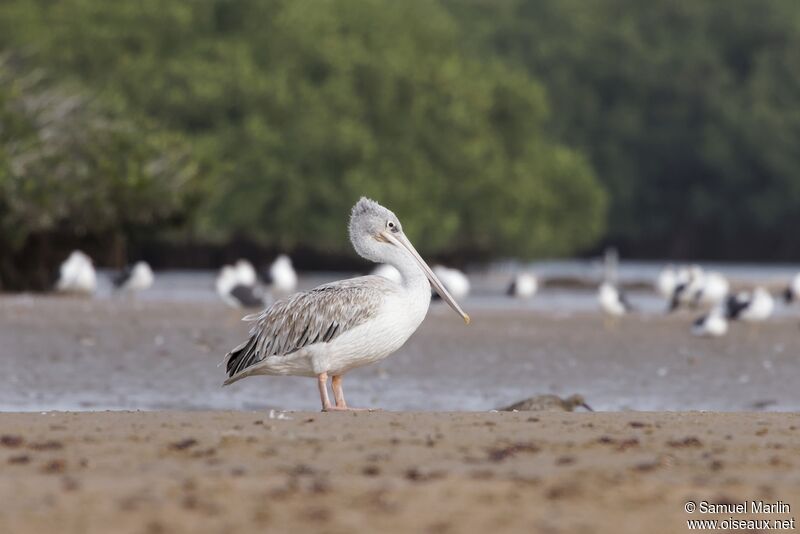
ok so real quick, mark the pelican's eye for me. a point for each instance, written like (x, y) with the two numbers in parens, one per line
(392, 226)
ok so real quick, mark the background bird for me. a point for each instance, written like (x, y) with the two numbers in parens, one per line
(541, 403)
(454, 280)
(281, 276)
(237, 287)
(523, 285)
(613, 301)
(792, 292)
(137, 277)
(750, 306)
(77, 275)
(712, 324)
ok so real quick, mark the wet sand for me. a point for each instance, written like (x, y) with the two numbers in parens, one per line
(83, 354)
(175, 472)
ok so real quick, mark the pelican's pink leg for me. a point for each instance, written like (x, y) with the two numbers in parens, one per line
(338, 395)
(322, 382)
(338, 392)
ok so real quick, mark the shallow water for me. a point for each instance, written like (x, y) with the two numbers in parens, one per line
(161, 349)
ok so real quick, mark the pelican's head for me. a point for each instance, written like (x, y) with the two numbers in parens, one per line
(377, 235)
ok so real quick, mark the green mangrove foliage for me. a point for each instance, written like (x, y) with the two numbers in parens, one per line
(294, 109)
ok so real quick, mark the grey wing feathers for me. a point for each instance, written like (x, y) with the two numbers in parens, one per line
(303, 319)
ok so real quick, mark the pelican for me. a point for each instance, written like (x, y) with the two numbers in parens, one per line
(388, 272)
(237, 288)
(281, 275)
(792, 292)
(713, 324)
(137, 277)
(523, 286)
(612, 300)
(336, 327)
(77, 274)
(454, 280)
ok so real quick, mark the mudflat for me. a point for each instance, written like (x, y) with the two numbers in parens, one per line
(118, 353)
(244, 471)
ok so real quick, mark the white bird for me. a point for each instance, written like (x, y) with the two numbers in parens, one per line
(237, 289)
(612, 301)
(792, 292)
(340, 326)
(137, 277)
(77, 274)
(389, 272)
(713, 324)
(666, 281)
(713, 289)
(756, 307)
(281, 275)
(689, 280)
(245, 273)
(524, 285)
(454, 280)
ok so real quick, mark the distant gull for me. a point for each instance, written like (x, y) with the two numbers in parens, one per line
(281, 275)
(792, 292)
(454, 280)
(343, 325)
(523, 286)
(136, 277)
(613, 301)
(544, 403)
(713, 324)
(238, 288)
(77, 275)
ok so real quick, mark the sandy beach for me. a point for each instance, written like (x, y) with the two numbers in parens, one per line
(160, 472)
(208, 459)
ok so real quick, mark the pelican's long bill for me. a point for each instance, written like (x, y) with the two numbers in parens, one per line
(402, 241)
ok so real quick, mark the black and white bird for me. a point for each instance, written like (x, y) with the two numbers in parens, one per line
(281, 276)
(237, 287)
(613, 301)
(688, 282)
(77, 275)
(136, 277)
(712, 324)
(523, 286)
(712, 290)
(753, 307)
(792, 292)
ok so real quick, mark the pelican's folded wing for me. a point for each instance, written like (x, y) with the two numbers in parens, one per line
(303, 319)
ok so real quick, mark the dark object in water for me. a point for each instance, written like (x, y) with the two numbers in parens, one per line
(546, 403)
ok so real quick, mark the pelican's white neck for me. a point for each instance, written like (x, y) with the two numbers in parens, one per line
(413, 276)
